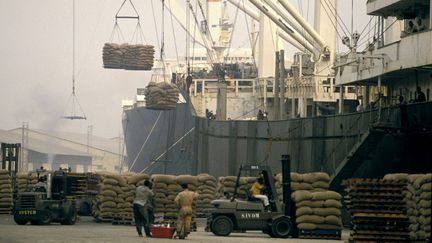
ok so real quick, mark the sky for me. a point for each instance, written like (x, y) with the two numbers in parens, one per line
(36, 59)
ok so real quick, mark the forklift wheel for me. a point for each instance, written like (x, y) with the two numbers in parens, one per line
(222, 226)
(45, 218)
(70, 218)
(281, 228)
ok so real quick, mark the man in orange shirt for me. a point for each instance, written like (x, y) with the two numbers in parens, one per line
(184, 200)
(256, 189)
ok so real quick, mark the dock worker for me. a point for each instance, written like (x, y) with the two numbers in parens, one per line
(143, 205)
(256, 190)
(184, 201)
(41, 185)
(420, 96)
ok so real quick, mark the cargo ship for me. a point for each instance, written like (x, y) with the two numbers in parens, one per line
(363, 113)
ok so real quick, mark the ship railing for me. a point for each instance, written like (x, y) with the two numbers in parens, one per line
(200, 87)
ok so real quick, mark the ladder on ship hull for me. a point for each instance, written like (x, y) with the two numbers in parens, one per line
(355, 158)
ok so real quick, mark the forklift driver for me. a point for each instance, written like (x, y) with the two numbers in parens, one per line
(41, 186)
(256, 190)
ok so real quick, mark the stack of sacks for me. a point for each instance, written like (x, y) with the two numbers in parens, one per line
(161, 95)
(138, 57)
(24, 182)
(106, 205)
(227, 186)
(125, 194)
(6, 200)
(207, 192)
(112, 55)
(318, 210)
(160, 189)
(424, 188)
(245, 186)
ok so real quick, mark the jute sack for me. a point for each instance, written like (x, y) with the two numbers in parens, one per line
(4, 177)
(326, 195)
(426, 187)
(306, 226)
(396, 177)
(425, 212)
(160, 186)
(229, 184)
(304, 211)
(317, 176)
(321, 184)
(425, 203)
(312, 204)
(425, 195)
(332, 219)
(299, 196)
(331, 203)
(167, 179)
(315, 219)
(424, 220)
(188, 179)
(120, 179)
(109, 193)
(136, 178)
(326, 211)
(110, 181)
(422, 180)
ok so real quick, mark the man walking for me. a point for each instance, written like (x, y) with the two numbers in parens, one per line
(184, 200)
(143, 205)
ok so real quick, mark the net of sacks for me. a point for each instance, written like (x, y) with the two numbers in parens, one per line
(313, 182)
(6, 200)
(161, 95)
(138, 57)
(317, 210)
(112, 55)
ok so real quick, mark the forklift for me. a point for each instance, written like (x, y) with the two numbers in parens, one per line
(242, 215)
(48, 203)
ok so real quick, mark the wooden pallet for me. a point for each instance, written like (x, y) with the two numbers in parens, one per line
(123, 222)
(320, 234)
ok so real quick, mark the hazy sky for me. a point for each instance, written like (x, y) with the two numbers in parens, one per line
(36, 60)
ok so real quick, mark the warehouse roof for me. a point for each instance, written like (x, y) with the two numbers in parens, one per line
(40, 145)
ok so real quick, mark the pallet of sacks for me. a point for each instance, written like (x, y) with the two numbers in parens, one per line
(128, 56)
(161, 95)
(417, 197)
(318, 214)
(6, 192)
(378, 210)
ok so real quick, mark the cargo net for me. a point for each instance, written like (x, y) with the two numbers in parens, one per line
(132, 55)
(161, 96)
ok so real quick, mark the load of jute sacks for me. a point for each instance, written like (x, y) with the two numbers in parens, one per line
(6, 197)
(138, 57)
(26, 181)
(161, 95)
(417, 197)
(316, 206)
(207, 192)
(128, 56)
(318, 210)
(317, 181)
(112, 55)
